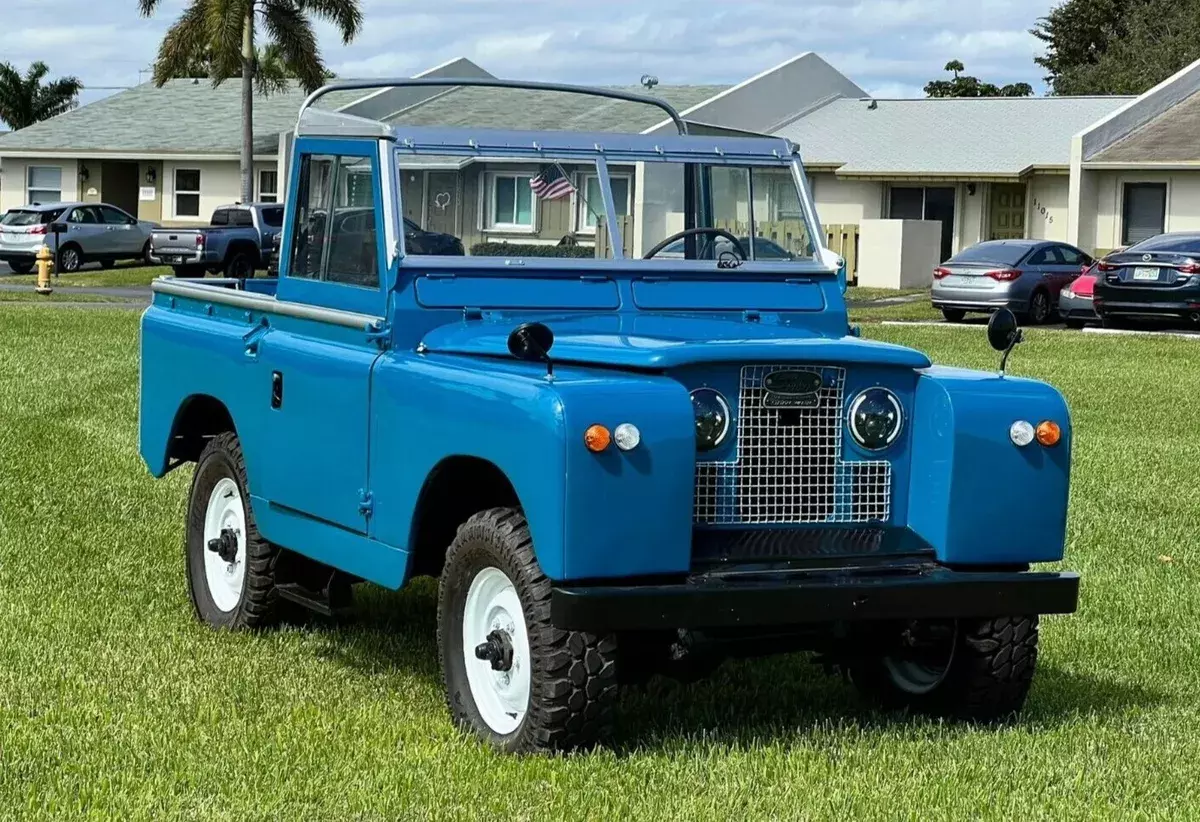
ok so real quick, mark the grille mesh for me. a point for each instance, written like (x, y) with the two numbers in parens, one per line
(789, 467)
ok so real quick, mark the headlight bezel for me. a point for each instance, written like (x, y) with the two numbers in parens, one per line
(852, 412)
(724, 409)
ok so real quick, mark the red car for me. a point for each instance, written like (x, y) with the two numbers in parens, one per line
(1075, 300)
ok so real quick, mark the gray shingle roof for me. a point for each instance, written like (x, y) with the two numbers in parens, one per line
(1168, 138)
(550, 111)
(991, 135)
(184, 116)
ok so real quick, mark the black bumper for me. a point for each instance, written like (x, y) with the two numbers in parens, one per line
(778, 598)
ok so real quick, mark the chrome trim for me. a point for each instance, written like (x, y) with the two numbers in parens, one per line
(389, 179)
(262, 302)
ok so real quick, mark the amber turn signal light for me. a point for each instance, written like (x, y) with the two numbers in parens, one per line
(1048, 433)
(596, 438)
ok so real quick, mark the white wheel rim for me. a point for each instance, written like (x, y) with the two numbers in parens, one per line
(502, 697)
(225, 579)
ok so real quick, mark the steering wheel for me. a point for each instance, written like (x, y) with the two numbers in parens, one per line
(691, 232)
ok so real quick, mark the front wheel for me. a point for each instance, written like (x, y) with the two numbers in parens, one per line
(230, 567)
(965, 669)
(511, 677)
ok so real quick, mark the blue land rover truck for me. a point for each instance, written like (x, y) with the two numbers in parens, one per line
(616, 466)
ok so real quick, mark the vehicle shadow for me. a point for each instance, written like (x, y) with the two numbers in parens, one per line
(743, 704)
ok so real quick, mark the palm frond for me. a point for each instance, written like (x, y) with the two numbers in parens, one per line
(292, 32)
(187, 38)
(345, 14)
(24, 100)
(271, 71)
(146, 8)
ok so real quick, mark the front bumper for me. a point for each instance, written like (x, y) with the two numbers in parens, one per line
(1076, 308)
(781, 596)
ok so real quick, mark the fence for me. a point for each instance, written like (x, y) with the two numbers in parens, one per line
(604, 239)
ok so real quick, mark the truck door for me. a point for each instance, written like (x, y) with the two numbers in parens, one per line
(317, 371)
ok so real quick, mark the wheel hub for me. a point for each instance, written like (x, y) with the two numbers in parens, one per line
(226, 545)
(498, 650)
(495, 649)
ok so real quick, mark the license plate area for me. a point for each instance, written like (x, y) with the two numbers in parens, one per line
(1145, 274)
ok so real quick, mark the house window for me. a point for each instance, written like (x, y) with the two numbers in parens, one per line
(187, 192)
(510, 202)
(268, 186)
(43, 184)
(921, 203)
(1144, 213)
(590, 202)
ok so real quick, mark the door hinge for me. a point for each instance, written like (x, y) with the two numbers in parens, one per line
(366, 502)
(379, 333)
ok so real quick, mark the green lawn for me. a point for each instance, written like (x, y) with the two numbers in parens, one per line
(116, 704)
(859, 294)
(63, 296)
(121, 275)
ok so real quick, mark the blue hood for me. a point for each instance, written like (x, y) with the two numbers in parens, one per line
(661, 342)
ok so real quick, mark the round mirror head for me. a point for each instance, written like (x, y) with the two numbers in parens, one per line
(1002, 329)
(531, 342)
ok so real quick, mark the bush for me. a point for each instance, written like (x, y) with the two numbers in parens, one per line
(531, 250)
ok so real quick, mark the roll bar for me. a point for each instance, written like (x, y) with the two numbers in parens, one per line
(494, 82)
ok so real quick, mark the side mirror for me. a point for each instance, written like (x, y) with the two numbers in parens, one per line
(531, 342)
(1003, 334)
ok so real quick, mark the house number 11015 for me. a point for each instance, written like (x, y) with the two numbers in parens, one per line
(1041, 209)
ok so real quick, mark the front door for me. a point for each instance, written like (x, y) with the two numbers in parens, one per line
(316, 372)
(441, 202)
(1008, 212)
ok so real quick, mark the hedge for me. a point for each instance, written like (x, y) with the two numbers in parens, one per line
(531, 250)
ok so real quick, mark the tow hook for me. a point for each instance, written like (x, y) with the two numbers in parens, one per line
(497, 650)
(225, 546)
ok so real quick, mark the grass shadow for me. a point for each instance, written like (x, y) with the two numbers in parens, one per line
(744, 703)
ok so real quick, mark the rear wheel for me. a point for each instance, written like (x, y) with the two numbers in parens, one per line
(70, 258)
(20, 267)
(511, 677)
(1040, 308)
(965, 669)
(239, 266)
(954, 315)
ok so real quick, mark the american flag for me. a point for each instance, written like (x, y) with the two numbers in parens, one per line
(551, 183)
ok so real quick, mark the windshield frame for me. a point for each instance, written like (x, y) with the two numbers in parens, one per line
(789, 162)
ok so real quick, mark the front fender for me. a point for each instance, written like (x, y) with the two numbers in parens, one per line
(611, 514)
(977, 498)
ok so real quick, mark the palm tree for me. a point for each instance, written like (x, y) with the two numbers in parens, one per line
(25, 100)
(226, 28)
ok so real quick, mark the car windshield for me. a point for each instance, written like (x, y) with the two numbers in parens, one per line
(20, 217)
(992, 253)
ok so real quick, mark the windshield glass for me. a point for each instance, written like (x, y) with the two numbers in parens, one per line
(560, 208)
(1182, 243)
(992, 253)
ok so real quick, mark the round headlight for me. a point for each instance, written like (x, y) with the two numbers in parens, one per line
(712, 418)
(875, 418)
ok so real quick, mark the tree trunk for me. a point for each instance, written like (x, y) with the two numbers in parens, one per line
(248, 105)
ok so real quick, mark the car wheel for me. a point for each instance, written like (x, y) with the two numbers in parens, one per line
(239, 266)
(966, 669)
(70, 259)
(1039, 308)
(230, 567)
(20, 268)
(146, 252)
(511, 677)
(954, 315)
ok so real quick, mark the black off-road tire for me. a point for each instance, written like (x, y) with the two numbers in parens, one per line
(259, 603)
(573, 677)
(987, 680)
(954, 315)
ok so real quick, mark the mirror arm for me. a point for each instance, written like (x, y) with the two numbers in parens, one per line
(1017, 337)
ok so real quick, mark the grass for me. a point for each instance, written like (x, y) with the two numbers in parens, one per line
(124, 276)
(861, 294)
(54, 297)
(116, 704)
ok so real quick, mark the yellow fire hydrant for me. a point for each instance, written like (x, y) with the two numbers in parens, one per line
(45, 259)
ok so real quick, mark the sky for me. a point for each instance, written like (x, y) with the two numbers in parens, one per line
(891, 48)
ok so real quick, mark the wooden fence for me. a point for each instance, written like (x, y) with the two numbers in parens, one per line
(604, 239)
(843, 239)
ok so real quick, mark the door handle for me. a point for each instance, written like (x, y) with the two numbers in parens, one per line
(276, 389)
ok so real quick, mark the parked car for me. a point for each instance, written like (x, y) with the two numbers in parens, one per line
(1024, 276)
(1157, 278)
(614, 468)
(419, 241)
(93, 232)
(238, 240)
(764, 249)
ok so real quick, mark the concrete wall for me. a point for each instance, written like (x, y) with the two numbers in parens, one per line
(898, 253)
(13, 182)
(1048, 206)
(846, 201)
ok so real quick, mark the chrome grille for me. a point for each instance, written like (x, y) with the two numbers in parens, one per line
(788, 467)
